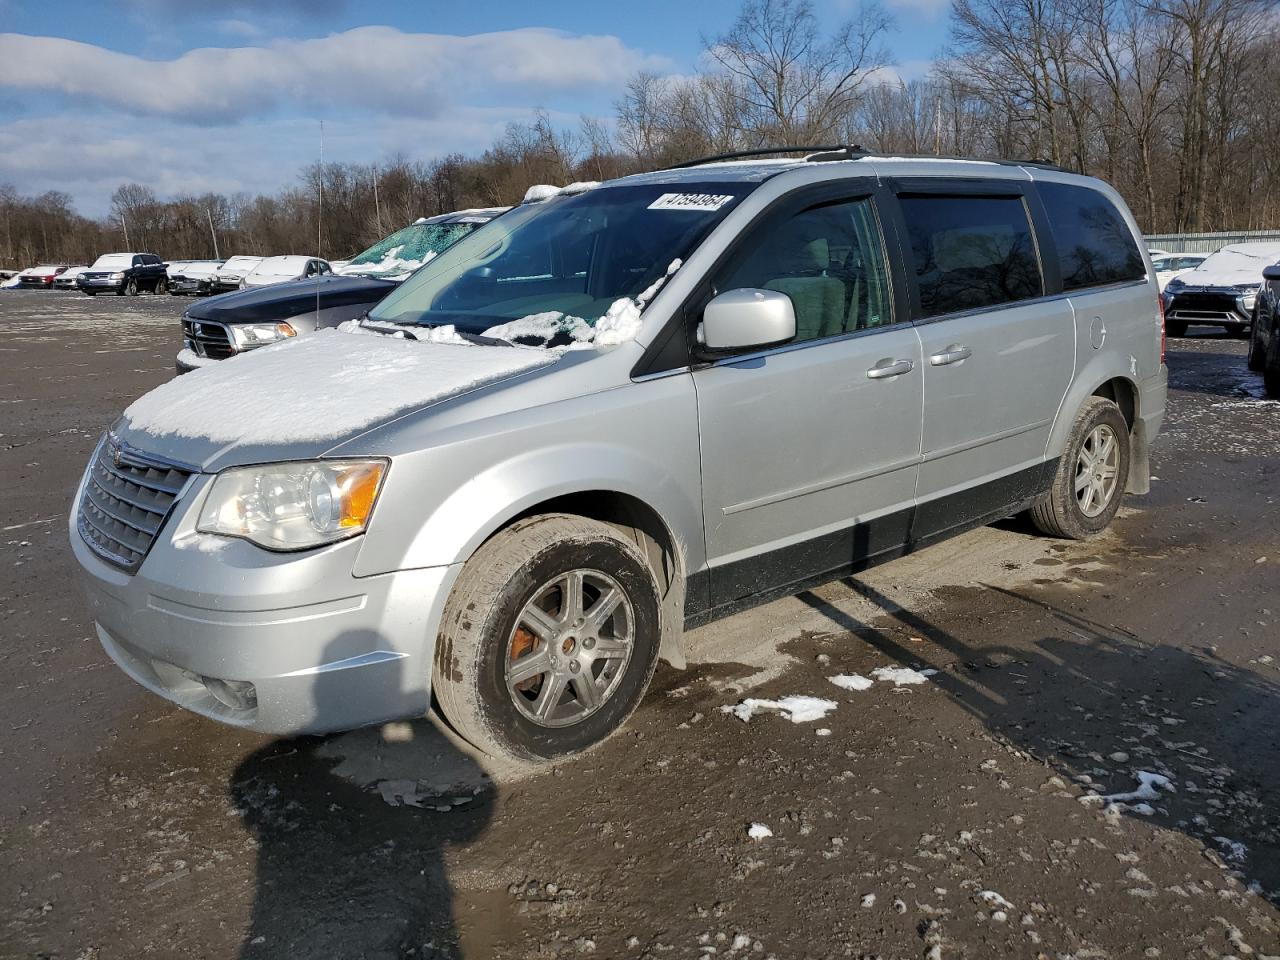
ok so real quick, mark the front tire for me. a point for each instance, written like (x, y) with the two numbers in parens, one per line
(1091, 476)
(162, 286)
(549, 639)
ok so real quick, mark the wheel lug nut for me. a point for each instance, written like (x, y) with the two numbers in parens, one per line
(573, 666)
(588, 643)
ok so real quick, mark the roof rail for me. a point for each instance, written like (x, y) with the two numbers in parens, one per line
(826, 154)
(744, 154)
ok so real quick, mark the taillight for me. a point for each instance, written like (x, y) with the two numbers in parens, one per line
(1163, 336)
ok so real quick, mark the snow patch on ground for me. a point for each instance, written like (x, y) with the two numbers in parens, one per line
(758, 831)
(852, 681)
(340, 384)
(902, 675)
(797, 709)
(1149, 787)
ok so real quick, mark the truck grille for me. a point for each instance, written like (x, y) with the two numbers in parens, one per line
(127, 498)
(1204, 305)
(208, 338)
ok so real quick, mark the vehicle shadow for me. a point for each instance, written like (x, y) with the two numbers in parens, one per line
(1212, 372)
(350, 871)
(1098, 705)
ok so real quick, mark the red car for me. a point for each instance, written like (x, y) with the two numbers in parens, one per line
(41, 277)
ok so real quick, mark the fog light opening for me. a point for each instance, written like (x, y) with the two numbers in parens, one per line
(235, 694)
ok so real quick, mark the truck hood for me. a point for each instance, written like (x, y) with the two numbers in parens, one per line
(281, 301)
(300, 398)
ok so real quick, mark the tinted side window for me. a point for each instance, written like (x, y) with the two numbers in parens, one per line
(970, 252)
(829, 260)
(1095, 245)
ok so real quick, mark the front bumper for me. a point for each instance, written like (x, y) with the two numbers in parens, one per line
(1210, 306)
(179, 285)
(96, 285)
(277, 643)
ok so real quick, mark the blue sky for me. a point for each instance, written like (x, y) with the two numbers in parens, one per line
(188, 95)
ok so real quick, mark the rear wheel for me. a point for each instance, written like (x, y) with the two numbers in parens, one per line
(1091, 475)
(1257, 357)
(549, 639)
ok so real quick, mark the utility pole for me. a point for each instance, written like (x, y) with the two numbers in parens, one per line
(376, 205)
(209, 213)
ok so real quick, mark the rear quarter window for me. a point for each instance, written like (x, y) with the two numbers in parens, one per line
(1095, 245)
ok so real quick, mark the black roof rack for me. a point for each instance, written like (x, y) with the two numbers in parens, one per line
(826, 154)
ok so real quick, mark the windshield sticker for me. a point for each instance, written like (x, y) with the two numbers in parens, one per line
(690, 201)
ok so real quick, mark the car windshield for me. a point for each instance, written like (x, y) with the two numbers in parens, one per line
(113, 261)
(570, 257)
(408, 249)
(279, 267)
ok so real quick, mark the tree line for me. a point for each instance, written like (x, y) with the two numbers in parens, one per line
(1174, 102)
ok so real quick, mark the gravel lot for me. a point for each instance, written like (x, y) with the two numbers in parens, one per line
(959, 816)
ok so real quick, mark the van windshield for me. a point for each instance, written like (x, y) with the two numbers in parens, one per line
(570, 256)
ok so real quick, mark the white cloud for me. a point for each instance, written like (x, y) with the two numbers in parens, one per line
(381, 69)
(901, 73)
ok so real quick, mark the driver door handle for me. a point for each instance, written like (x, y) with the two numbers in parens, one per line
(890, 368)
(953, 354)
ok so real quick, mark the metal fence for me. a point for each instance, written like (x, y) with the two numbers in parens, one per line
(1208, 242)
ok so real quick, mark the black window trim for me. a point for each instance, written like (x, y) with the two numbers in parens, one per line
(664, 358)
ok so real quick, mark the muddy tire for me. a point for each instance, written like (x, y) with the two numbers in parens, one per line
(1091, 477)
(549, 639)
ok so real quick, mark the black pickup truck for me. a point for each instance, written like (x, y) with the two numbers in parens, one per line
(223, 326)
(125, 274)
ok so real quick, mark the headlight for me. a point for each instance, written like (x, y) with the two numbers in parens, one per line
(256, 334)
(1173, 284)
(117, 276)
(293, 506)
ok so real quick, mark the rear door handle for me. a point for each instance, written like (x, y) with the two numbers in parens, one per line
(890, 368)
(953, 354)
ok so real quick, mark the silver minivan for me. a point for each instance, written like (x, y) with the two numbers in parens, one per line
(617, 412)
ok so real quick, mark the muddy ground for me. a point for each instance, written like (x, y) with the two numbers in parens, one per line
(960, 816)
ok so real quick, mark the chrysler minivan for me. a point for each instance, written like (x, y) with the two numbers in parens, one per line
(613, 414)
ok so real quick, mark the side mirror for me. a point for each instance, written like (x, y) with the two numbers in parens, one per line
(741, 319)
(1272, 272)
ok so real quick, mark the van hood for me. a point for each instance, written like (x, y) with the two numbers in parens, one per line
(297, 399)
(281, 301)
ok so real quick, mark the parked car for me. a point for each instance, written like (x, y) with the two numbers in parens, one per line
(1221, 291)
(274, 270)
(66, 280)
(124, 274)
(40, 277)
(613, 414)
(1170, 265)
(193, 277)
(235, 269)
(236, 322)
(1264, 340)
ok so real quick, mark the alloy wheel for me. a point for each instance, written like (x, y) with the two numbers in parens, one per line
(1097, 469)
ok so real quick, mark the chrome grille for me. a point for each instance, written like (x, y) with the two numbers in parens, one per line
(208, 338)
(127, 498)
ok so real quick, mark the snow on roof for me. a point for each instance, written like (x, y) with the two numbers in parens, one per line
(325, 386)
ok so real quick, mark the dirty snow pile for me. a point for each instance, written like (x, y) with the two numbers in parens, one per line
(852, 681)
(797, 709)
(1149, 787)
(320, 387)
(902, 676)
(189, 358)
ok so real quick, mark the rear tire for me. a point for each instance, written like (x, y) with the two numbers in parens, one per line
(540, 596)
(1257, 359)
(1091, 476)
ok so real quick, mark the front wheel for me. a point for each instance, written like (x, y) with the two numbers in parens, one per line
(548, 640)
(1091, 475)
(131, 288)
(162, 286)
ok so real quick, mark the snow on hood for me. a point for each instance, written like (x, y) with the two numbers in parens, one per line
(390, 267)
(328, 385)
(1236, 264)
